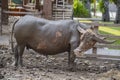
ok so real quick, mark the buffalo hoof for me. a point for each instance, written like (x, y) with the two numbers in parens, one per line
(16, 66)
(72, 69)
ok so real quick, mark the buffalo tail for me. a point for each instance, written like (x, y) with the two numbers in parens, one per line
(12, 46)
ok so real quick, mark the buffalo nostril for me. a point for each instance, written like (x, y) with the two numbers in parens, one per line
(78, 52)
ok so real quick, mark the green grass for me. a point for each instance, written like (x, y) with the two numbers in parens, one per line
(106, 22)
(115, 31)
(112, 31)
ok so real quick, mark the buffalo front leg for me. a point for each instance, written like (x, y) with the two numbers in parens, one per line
(72, 64)
(73, 45)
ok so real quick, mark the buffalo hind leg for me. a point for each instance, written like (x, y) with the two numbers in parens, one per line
(68, 58)
(18, 55)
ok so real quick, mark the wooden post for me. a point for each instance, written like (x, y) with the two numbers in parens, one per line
(70, 2)
(47, 9)
(25, 2)
(94, 7)
(96, 26)
(94, 50)
(37, 5)
(4, 17)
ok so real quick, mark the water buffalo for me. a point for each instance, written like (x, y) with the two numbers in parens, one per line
(52, 37)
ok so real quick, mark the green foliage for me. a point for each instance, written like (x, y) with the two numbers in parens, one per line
(92, 1)
(79, 9)
(115, 1)
(17, 1)
(101, 6)
(85, 1)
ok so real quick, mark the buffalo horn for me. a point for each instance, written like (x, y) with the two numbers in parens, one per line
(81, 30)
(103, 41)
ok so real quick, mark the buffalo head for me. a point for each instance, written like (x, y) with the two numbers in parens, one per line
(88, 39)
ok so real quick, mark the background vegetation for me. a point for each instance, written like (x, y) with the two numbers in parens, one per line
(79, 9)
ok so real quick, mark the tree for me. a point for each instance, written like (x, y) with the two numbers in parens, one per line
(79, 9)
(87, 4)
(104, 8)
(117, 2)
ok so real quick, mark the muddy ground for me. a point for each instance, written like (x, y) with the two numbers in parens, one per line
(38, 67)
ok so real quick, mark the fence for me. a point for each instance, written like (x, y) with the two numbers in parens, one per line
(112, 46)
(16, 11)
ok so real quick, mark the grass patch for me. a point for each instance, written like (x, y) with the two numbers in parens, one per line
(106, 22)
(110, 30)
(115, 31)
(86, 21)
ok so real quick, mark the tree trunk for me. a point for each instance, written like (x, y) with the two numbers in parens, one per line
(88, 6)
(117, 20)
(105, 14)
(47, 9)
(4, 17)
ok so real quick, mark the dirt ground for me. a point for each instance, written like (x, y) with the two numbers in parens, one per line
(38, 67)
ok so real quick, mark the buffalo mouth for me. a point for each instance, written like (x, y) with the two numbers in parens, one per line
(79, 52)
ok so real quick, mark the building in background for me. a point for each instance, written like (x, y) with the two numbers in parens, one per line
(57, 9)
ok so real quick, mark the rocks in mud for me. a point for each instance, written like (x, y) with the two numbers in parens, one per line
(4, 49)
(5, 58)
(1, 76)
(98, 66)
(110, 75)
(36, 67)
(2, 63)
(1, 51)
(106, 62)
(94, 67)
(37, 56)
(113, 65)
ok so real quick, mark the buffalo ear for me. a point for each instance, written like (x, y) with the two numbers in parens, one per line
(92, 27)
(81, 30)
